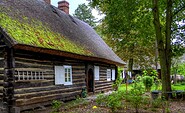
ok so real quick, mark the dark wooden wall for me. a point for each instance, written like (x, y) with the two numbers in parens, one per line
(37, 87)
(1, 74)
(30, 93)
(102, 85)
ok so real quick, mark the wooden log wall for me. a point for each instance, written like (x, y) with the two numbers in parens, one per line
(32, 92)
(1, 75)
(102, 85)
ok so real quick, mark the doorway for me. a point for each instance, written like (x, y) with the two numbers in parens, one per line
(90, 81)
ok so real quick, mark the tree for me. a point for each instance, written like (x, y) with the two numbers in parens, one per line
(84, 13)
(168, 24)
(124, 32)
(166, 10)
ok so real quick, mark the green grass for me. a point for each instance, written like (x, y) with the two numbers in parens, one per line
(180, 86)
(123, 87)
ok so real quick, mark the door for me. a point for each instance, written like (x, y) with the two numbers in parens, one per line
(90, 81)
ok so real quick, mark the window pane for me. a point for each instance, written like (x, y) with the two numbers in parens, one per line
(65, 70)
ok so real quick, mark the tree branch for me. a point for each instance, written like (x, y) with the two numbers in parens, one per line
(181, 27)
(179, 9)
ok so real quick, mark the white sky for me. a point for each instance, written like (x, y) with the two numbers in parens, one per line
(73, 4)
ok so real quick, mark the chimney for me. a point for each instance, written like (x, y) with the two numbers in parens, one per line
(48, 1)
(64, 6)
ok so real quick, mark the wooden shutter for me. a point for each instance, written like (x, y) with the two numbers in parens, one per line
(113, 74)
(59, 75)
(108, 74)
(96, 73)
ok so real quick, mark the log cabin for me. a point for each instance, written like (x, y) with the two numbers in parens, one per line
(47, 54)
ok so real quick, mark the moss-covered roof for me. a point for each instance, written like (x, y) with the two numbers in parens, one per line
(38, 24)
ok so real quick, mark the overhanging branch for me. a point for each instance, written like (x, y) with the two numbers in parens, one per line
(179, 10)
(178, 28)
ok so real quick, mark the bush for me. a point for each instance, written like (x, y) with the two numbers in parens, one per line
(56, 105)
(148, 82)
(113, 101)
(135, 95)
(156, 103)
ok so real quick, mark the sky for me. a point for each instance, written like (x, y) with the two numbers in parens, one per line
(73, 4)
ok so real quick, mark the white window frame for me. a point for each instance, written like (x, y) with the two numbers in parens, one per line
(108, 74)
(113, 74)
(69, 68)
(60, 75)
(96, 72)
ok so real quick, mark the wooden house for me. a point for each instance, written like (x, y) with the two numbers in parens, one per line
(46, 54)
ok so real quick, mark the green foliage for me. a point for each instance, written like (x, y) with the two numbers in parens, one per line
(56, 105)
(180, 86)
(148, 79)
(156, 103)
(113, 101)
(135, 95)
(84, 13)
(84, 92)
(136, 22)
(35, 33)
(118, 81)
(148, 82)
(128, 30)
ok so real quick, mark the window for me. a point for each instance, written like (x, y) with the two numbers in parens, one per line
(26, 75)
(96, 73)
(63, 75)
(108, 74)
(68, 75)
(113, 74)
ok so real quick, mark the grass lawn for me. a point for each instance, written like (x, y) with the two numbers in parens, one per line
(178, 86)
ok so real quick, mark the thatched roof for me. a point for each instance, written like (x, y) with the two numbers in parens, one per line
(36, 25)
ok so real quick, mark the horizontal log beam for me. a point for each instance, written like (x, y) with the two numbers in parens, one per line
(21, 102)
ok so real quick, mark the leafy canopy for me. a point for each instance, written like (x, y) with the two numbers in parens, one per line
(84, 13)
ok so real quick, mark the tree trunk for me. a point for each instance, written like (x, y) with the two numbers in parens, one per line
(130, 64)
(164, 46)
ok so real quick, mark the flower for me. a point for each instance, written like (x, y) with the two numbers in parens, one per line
(94, 107)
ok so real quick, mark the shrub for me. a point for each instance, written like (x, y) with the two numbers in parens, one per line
(113, 101)
(135, 95)
(101, 100)
(156, 103)
(148, 82)
(56, 105)
(117, 83)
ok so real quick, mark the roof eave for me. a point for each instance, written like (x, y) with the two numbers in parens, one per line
(65, 54)
(8, 41)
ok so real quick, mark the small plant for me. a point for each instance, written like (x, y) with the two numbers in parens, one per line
(157, 83)
(148, 80)
(101, 99)
(113, 101)
(156, 103)
(84, 93)
(117, 83)
(56, 105)
(135, 95)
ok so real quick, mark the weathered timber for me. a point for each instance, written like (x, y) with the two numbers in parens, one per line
(44, 93)
(102, 90)
(8, 90)
(46, 88)
(33, 83)
(20, 102)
